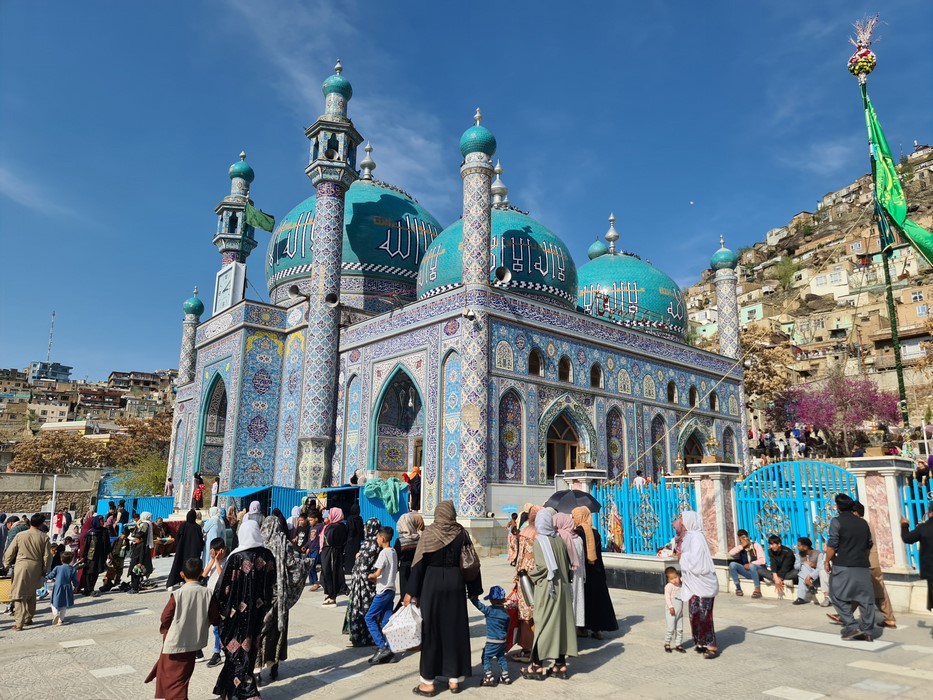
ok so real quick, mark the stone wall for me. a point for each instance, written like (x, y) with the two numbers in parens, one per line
(35, 501)
(23, 492)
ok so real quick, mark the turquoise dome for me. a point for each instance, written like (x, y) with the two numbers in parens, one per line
(633, 293)
(477, 138)
(539, 261)
(385, 235)
(337, 83)
(193, 306)
(724, 259)
(597, 249)
(241, 169)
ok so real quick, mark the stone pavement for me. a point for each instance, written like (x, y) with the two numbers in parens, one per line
(113, 641)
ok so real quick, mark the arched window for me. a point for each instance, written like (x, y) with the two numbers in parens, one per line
(671, 392)
(511, 448)
(562, 446)
(693, 397)
(713, 401)
(596, 376)
(535, 364)
(565, 369)
(232, 223)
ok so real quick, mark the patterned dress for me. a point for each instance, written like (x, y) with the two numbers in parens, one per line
(362, 590)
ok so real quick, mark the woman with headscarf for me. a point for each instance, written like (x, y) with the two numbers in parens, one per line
(244, 596)
(354, 538)
(230, 526)
(291, 568)
(555, 638)
(145, 528)
(409, 529)
(525, 561)
(213, 527)
(95, 548)
(699, 585)
(599, 614)
(414, 489)
(438, 586)
(188, 545)
(362, 590)
(83, 527)
(332, 541)
(255, 512)
(293, 519)
(564, 525)
(679, 532)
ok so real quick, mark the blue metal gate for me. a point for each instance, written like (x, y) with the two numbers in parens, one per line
(640, 520)
(915, 497)
(791, 499)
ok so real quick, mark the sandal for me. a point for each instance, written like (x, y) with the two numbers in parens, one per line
(535, 673)
(598, 635)
(522, 657)
(680, 649)
(559, 672)
(424, 693)
(667, 648)
(711, 654)
(738, 592)
(756, 593)
(699, 649)
(454, 688)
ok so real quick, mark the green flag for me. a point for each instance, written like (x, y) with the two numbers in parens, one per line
(259, 219)
(888, 191)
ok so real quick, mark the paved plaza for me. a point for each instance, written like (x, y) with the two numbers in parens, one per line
(770, 649)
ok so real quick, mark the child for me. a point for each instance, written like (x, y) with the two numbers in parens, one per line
(63, 591)
(184, 628)
(497, 629)
(674, 611)
(381, 608)
(212, 573)
(115, 562)
(312, 547)
(137, 561)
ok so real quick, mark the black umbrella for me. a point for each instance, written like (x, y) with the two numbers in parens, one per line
(566, 501)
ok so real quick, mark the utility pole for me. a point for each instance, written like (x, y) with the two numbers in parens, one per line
(48, 357)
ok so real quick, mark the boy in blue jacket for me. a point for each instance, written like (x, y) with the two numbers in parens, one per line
(497, 629)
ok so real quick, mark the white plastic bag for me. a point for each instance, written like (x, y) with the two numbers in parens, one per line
(403, 630)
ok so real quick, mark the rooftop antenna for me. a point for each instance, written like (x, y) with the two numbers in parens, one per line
(48, 357)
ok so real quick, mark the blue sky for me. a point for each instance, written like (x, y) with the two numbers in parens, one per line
(118, 122)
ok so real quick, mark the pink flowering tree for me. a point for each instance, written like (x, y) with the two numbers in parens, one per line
(839, 407)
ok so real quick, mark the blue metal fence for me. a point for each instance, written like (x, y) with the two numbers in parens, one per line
(915, 497)
(791, 499)
(159, 506)
(640, 520)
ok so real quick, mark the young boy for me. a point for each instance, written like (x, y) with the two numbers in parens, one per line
(116, 561)
(673, 611)
(184, 628)
(381, 609)
(212, 573)
(137, 565)
(497, 630)
(312, 547)
(63, 591)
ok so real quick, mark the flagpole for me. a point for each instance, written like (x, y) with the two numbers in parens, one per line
(881, 223)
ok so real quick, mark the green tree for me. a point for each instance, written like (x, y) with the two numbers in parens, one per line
(784, 272)
(145, 477)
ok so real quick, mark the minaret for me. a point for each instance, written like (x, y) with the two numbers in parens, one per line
(193, 309)
(234, 238)
(477, 145)
(724, 262)
(332, 169)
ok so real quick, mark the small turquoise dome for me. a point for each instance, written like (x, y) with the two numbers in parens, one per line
(242, 170)
(724, 259)
(337, 83)
(193, 306)
(477, 138)
(597, 249)
(385, 235)
(539, 262)
(629, 291)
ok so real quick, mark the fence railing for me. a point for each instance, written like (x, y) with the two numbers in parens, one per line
(791, 499)
(915, 497)
(159, 506)
(640, 520)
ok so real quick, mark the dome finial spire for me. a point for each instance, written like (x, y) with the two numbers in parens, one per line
(367, 165)
(195, 290)
(478, 117)
(338, 68)
(242, 155)
(612, 235)
(500, 193)
(722, 241)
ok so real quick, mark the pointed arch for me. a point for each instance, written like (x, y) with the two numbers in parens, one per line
(511, 437)
(693, 426)
(212, 427)
(565, 369)
(728, 446)
(616, 452)
(351, 419)
(578, 416)
(660, 446)
(394, 452)
(449, 462)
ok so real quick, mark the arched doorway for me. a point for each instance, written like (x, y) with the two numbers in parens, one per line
(563, 443)
(693, 450)
(728, 446)
(399, 439)
(659, 452)
(215, 423)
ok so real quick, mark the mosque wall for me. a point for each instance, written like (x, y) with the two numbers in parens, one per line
(286, 450)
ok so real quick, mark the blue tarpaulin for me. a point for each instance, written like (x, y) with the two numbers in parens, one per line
(243, 491)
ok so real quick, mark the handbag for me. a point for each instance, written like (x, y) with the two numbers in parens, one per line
(403, 630)
(469, 562)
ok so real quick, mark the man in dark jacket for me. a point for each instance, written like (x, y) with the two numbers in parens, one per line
(782, 564)
(923, 534)
(850, 580)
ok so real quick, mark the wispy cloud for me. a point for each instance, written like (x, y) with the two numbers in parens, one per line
(409, 149)
(18, 187)
(826, 158)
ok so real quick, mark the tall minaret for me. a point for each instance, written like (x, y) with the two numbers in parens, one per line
(193, 309)
(477, 146)
(332, 169)
(234, 238)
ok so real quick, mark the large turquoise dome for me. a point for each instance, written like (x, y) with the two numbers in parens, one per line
(631, 292)
(538, 260)
(385, 236)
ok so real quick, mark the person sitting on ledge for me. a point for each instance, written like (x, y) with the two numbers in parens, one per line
(748, 560)
(809, 564)
(782, 565)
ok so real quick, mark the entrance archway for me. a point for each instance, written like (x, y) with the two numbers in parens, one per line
(213, 430)
(563, 444)
(693, 450)
(399, 427)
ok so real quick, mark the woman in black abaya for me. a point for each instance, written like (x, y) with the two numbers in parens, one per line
(188, 545)
(598, 610)
(354, 538)
(333, 541)
(362, 590)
